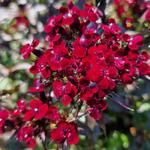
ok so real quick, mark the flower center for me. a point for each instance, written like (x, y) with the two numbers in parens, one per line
(36, 109)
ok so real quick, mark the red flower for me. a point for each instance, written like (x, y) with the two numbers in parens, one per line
(3, 117)
(95, 113)
(58, 88)
(87, 92)
(91, 12)
(97, 50)
(147, 15)
(21, 106)
(126, 78)
(21, 20)
(70, 89)
(28, 48)
(68, 19)
(31, 142)
(53, 22)
(65, 132)
(58, 62)
(66, 100)
(104, 83)
(65, 92)
(144, 69)
(53, 114)
(119, 63)
(79, 52)
(38, 86)
(96, 108)
(25, 134)
(135, 42)
(38, 110)
(41, 66)
(113, 72)
(94, 74)
(144, 56)
(115, 29)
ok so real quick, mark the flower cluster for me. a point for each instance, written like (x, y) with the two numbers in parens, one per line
(133, 12)
(82, 61)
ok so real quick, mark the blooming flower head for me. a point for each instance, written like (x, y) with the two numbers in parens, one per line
(25, 134)
(28, 48)
(3, 117)
(37, 110)
(65, 132)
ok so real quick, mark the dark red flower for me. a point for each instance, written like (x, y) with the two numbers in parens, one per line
(21, 106)
(68, 19)
(70, 89)
(53, 114)
(26, 134)
(58, 88)
(41, 66)
(21, 20)
(56, 58)
(97, 50)
(113, 72)
(95, 113)
(104, 83)
(28, 48)
(66, 100)
(115, 29)
(135, 42)
(126, 78)
(94, 74)
(53, 22)
(87, 92)
(31, 142)
(144, 56)
(65, 132)
(37, 110)
(61, 49)
(144, 69)
(91, 12)
(38, 86)
(3, 117)
(119, 63)
(79, 49)
(147, 15)
(96, 107)
(64, 91)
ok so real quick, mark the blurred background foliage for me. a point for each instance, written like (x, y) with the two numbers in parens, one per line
(121, 129)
